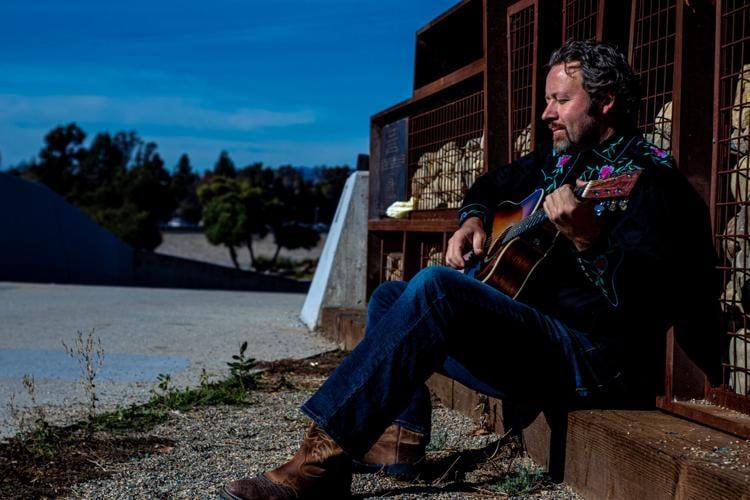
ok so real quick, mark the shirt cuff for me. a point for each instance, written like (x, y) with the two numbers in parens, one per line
(473, 210)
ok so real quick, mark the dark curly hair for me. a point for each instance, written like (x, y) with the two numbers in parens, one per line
(604, 70)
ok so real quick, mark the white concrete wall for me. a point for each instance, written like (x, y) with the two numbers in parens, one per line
(339, 279)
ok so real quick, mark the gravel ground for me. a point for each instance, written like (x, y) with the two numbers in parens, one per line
(219, 444)
(195, 246)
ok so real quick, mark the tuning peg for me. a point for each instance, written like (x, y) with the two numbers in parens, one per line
(623, 204)
(612, 206)
(598, 209)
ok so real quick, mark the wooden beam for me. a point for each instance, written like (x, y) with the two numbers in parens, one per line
(416, 225)
(458, 76)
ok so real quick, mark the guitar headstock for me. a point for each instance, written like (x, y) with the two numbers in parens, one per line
(618, 186)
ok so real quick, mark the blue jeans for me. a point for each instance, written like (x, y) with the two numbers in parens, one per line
(444, 321)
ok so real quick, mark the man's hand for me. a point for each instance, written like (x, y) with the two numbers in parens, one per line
(575, 219)
(470, 235)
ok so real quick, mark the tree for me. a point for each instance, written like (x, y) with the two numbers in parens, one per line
(104, 164)
(293, 235)
(224, 214)
(328, 186)
(183, 189)
(60, 158)
(149, 184)
(135, 227)
(225, 166)
(259, 210)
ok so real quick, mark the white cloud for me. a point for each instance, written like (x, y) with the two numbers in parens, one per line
(144, 111)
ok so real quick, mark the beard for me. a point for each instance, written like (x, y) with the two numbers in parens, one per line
(584, 135)
(561, 140)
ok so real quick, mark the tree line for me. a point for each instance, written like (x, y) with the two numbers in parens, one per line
(122, 183)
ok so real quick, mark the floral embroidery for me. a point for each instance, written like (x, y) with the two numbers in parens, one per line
(552, 180)
(606, 171)
(563, 160)
(659, 152)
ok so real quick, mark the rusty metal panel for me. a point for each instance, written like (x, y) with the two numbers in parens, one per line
(731, 193)
(431, 250)
(582, 19)
(522, 67)
(446, 145)
(653, 41)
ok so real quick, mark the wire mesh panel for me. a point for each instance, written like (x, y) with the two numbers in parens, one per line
(581, 19)
(431, 251)
(652, 55)
(732, 186)
(446, 152)
(522, 49)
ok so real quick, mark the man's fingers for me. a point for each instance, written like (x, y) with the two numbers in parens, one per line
(453, 255)
(478, 243)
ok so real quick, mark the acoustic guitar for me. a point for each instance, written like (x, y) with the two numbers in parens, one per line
(522, 236)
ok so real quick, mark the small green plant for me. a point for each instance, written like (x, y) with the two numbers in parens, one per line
(438, 441)
(241, 369)
(89, 354)
(164, 381)
(166, 397)
(524, 481)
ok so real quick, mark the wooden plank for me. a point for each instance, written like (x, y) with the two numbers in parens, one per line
(536, 439)
(392, 113)
(442, 387)
(353, 330)
(343, 325)
(443, 16)
(647, 454)
(717, 417)
(465, 400)
(458, 76)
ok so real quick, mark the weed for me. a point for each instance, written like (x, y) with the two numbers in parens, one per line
(241, 369)
(39, 436)
(524, 481)
(90, 357)
(438, 441)
(165, 398)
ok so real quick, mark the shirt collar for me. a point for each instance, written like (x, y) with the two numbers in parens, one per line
(613, 148)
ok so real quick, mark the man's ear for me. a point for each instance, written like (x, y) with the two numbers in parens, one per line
(608, 104)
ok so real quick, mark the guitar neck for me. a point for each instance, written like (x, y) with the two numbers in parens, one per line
(532, 221)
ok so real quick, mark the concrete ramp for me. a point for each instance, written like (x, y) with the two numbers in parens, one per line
(43, 238)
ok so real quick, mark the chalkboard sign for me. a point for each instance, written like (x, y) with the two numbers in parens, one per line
(393, 150)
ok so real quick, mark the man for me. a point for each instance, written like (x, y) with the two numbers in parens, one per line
(591, 324)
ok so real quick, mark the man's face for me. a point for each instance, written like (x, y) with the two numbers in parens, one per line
(568, 111)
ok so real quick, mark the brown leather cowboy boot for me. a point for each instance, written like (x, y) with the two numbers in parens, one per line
(320, 469)
(398, 452)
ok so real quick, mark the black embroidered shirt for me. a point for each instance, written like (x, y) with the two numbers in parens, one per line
(654, 260)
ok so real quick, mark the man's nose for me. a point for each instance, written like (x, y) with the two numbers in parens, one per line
(550, 111)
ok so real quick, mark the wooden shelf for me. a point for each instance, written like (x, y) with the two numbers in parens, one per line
(423, 225)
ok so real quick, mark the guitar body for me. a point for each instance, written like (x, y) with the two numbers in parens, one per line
(509, 266)
(522, 236)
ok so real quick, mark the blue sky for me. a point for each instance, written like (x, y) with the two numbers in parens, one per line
(277, 81)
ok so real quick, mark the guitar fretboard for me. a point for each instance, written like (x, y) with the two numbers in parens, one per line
(530, 222)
